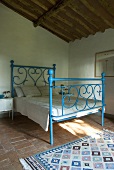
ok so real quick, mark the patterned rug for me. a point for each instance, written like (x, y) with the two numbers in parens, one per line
(89, 153)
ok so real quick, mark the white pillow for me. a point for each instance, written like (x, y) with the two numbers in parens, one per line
(19, 91)
(31, 91)
(45, 90)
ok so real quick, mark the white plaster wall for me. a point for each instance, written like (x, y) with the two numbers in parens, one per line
(82, 60)
(22, 42)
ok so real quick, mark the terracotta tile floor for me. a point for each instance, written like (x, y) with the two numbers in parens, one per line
(22, 137)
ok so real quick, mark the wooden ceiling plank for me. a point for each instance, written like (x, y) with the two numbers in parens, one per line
(75, 9)
(78, 20)
(52, 11)
(66, 27)
(69, 23)
(53, 2)
(60, 36)
(68, 19)
(88, 15)
(101, 12)
(63, 20)
(82, 21)
(60, 29)
(74, 23)
(47, 3)
(56, 31)
(15, 7)
(30, 6)
(108, 5)
(38, 3)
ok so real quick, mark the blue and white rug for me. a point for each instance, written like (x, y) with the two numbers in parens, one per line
(89, 153)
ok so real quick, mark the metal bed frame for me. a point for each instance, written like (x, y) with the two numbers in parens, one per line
(83, 88)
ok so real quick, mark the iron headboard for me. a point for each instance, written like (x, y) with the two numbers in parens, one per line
(27, 72)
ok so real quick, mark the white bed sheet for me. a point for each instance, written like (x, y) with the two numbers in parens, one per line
(37, 109)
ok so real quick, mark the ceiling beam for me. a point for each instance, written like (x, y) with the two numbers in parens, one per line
(52, 2)
(108, 5)
(65, 27)
(58, 29)
(51, 12)
(18, 8)
(78, 19)
(58, 35)
(101, 12)
(58, 32)
(92, 18)
(39, 4)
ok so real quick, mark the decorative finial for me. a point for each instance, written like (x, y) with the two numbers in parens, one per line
(103, 74)
(12, 62)
(50, 71)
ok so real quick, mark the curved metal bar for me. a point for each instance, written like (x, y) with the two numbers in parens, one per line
(85, 92)
(20, 72)
(44, 80)
(33, 71)
(12, 79)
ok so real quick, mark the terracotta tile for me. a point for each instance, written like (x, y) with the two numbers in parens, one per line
(2, 151)
(21, 142)
(1, 147)
(17, 139)
(14, 135)
(29, 153)
(4, 139)
(5, 162)
(13, 156)
(26, 149)
(7, 146)
(9, 167)
(17, 165)
(22, 137)
(23, 145)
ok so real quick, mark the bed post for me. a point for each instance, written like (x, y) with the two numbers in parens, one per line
(54, 68)
(50, 80)
(103, 97)
(12, 89)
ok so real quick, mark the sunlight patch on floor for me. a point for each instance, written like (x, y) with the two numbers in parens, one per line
(78, 127)
(78, 121)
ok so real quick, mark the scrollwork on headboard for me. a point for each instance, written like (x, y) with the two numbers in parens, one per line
(21, 75)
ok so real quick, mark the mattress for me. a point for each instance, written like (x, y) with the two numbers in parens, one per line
(37, 108)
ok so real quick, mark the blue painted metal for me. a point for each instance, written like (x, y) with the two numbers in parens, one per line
(103, 97)
(71, 117)
(54, 69)
(76, 79)
(71, 114)
(90, 91)
(50, 79)
(26, 73)
(12, 88)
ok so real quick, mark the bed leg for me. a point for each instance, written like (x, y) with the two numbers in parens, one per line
(102, 116)
(51, 131)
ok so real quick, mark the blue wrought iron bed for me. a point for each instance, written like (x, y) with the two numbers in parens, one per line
(84, 96)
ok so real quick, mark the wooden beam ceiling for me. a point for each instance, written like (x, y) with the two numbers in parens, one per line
(53, 11)
(68, 19)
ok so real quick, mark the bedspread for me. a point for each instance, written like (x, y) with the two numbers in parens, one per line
(37, 108)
